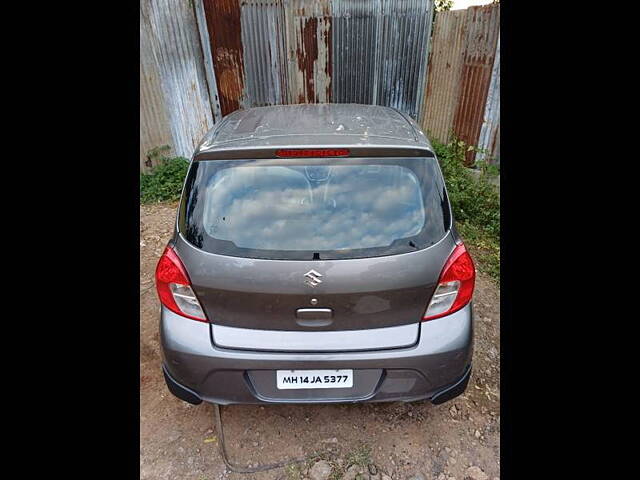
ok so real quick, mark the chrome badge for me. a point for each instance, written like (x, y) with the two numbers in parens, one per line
(312, 278)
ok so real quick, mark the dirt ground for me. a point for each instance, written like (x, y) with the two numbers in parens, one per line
(458, 440)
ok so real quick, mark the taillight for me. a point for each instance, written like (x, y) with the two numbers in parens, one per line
(455, 286)
(174, 287)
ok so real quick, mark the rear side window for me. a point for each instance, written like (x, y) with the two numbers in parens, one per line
(314, 208)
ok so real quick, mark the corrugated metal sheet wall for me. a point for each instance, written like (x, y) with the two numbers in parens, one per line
(489, 140)
(262, 27)
(445, 65)
(404, 48)
(380, 52)
(175, 108)
(356, 31)
(461, 72)
(308, 42)
(270, 52)
(482, 38)
(154, 120)
(225, 37)
(203, 59)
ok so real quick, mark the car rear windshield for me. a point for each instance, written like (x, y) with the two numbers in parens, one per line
(305, 209)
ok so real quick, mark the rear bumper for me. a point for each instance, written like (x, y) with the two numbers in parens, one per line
(437, 367)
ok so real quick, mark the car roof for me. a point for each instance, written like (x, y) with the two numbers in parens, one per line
(314, 125)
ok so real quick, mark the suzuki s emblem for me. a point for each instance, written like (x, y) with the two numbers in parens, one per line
(312, 278)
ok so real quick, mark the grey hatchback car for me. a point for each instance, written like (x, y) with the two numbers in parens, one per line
(315, 259)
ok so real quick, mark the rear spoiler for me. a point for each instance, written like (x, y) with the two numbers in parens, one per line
(271, 152)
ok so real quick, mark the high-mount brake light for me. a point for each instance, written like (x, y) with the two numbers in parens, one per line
(174, 287)
(455, 286)
(306, 153)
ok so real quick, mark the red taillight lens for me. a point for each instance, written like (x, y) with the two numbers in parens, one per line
(305, 153)
(174, 287)
(455, 287)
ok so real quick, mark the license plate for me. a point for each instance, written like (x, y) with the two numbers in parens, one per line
(300, 379)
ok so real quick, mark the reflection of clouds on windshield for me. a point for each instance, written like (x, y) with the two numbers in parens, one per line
(277, 208)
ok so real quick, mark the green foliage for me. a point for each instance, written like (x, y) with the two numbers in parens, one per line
(360, 455)
(164, 182)
(484, 248)
(488, 169)
(294, 471)
(443, 5)
(475, 203)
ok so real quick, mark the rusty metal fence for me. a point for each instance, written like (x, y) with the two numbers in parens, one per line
(268, 52)
(175, 108)
(463, 87)
(202, 59)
